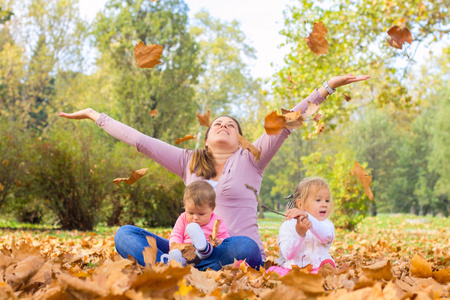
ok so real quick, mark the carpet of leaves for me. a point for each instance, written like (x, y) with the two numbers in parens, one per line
(372, 263)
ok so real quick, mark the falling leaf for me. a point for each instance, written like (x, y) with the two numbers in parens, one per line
(149, 253)
(320, 128)
(147, 56)
(289, 77)
(317, 117)
(1, 187)
(249, 146)
(316, 40)
(364, 178)
(442, 276)
(420, 267)
(294, 119)
(204, 119)
(399, 35)
(187, 137)
(346, 97)
(135, 176)
(273, 123)
(187, 250)
(311, 110)
(153, 113)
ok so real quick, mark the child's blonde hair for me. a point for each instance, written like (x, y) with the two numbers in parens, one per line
(200, 193)
(302, 189)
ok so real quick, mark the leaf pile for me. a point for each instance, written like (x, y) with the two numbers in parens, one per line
(40, 266)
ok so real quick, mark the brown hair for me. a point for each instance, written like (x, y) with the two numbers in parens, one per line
(200, 193)
(302, 190)
(202, 162)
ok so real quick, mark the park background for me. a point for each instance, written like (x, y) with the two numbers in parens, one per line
(59, 172)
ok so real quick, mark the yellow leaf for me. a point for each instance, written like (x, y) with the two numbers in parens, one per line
(420, 267)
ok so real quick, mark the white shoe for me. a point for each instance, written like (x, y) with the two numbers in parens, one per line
(197, 236)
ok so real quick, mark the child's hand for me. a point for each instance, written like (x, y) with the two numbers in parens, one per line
(295, 213)
(302, 226)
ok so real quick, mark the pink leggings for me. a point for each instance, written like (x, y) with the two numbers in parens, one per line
(283, 271)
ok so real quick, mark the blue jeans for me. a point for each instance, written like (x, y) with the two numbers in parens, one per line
(131, 240)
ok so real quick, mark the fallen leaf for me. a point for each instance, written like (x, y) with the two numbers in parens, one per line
(420, 267)
(310, 284)
(204, 119)
(149, 253)
(187, 137)
(399, 35)
(147, 56)
(364, 178)
(316, 40)
(187, 250)
(442, 276)
(249, 146)
(153, 113)
(134, 177)
(379, 270)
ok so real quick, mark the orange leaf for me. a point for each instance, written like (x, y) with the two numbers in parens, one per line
(442, 276)
(420, 267)
(320, 128)
(249, 146)
(294, 119)
(187, 137)
(289, 78)
(153, 113)
(364, 178)
(149, 252)
(147, 56)
(273, 123)
(1, 187)
(134, 177)
(399, 35)
(316, 40)
(187, 250)
(204, 119)
(379, 270)
(213, 236)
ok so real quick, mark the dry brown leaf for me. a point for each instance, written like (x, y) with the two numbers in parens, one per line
(310, 284)
(316, 40)
(204, 120)
(379, 270)
(134, 177)
(317, 117)
(311, 110)
(147, 56)
(202, 281)
(364, 178)
(187, 137)
(187, 250)
(149, 253)
(273, 123)
(346, 97)
(420, 267)
(86, 289)
(320, 128)
(442, 276)
(289, 78)
(249, 146)
(1, 187)
(153, 113)
(327, 270)
(399, 35)
(19, 273)
(294, 119)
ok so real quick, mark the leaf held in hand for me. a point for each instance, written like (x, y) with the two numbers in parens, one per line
(316, 40)
(134, 177)
(203, 120)
(364, 178)
(187, 250)
(399, 35)
(147, 56)
(249, 146)
(187, 137)
(149, 253)
(213, 237)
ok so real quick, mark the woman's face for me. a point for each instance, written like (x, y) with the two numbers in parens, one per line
(223, 135)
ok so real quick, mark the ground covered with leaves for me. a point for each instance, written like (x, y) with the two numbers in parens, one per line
(390, 257)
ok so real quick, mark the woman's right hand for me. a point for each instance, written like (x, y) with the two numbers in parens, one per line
(87, 113)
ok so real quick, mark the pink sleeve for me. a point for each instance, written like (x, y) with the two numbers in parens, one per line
(177, 234)
(270, 144)
(170, 157)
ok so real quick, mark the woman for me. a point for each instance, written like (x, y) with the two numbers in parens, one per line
(225, 165)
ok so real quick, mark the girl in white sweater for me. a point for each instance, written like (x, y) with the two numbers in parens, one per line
(305, 238)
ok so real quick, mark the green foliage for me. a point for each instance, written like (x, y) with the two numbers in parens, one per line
(350, 203)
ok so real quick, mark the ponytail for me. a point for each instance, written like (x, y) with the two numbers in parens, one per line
(203, 164)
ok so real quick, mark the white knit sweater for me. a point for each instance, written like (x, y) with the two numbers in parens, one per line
(311, 249)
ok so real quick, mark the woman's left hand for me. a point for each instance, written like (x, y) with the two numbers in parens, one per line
(338, 81)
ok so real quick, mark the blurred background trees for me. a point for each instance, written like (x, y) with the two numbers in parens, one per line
(60, 172)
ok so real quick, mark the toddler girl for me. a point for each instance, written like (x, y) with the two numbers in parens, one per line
(196, 224)
(305, 238)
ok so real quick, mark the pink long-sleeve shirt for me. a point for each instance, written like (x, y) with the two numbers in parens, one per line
(180, 236)
(234, 202)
